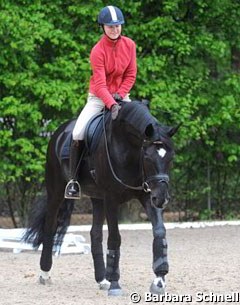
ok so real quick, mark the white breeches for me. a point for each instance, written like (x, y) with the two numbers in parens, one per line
(93, 106)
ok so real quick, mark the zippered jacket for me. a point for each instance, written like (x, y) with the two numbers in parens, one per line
(114, 68)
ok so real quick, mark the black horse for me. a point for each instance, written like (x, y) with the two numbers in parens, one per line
(130, 160)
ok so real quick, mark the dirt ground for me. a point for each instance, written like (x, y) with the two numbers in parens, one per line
(204, 261)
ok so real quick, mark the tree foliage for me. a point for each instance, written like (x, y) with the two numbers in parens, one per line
(188, 67)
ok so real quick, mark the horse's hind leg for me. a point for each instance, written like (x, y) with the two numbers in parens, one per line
(55, 199)
(96, 243)
(48, 241)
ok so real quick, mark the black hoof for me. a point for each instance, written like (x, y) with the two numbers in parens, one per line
(115, 289)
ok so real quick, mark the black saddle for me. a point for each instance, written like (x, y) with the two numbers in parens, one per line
(93, 132)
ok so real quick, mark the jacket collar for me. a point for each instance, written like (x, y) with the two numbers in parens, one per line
(109, 42)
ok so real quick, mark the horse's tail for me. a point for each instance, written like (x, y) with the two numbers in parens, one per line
(35, 231)
(63, 220)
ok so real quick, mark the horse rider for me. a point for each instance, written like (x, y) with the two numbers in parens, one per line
(114, 69)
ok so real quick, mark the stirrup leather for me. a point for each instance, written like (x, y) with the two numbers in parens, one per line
(72, 190)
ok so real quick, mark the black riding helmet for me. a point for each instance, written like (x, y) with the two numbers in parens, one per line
(110, 15)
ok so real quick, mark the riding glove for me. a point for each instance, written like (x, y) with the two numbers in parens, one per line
(117, 97)
(114, 111)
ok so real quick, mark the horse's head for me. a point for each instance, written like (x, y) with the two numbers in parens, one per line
(153, 142)
(157, 157)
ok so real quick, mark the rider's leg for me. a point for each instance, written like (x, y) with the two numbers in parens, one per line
(93, 106)
(73, 190)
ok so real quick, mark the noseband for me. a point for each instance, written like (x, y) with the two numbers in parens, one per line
(158, 178)
(164, 178)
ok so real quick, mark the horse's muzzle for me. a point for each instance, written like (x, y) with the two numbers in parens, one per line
(159, 202)
(159, 194)
(157, 187)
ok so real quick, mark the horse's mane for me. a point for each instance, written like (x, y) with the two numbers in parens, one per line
(137, 115)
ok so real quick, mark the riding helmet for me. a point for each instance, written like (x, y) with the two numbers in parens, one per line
(110, 15)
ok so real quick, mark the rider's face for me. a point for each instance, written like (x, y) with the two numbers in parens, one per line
(113, 31)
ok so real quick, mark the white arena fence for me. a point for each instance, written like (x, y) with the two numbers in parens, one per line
(75, 243)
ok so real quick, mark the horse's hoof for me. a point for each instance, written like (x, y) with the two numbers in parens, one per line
(45, 281)
(104, 284)
(158, 286)
(115, 289)
(115, 292)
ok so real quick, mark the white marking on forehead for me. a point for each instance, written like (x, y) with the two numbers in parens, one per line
(112, 12)
(162, 152)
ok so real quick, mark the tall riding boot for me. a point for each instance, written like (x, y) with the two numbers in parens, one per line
(73, 189)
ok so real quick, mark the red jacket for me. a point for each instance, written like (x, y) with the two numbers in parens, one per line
(114, 68)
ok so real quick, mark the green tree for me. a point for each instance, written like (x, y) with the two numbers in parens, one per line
(44, 73)
(188, 67)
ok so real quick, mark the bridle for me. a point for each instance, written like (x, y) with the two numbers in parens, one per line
(164, 178)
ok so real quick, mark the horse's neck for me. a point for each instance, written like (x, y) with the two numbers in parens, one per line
(125, 153)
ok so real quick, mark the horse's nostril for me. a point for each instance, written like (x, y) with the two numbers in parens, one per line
(154, 201)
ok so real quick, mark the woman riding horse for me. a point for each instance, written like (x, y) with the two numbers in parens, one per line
(113, 62)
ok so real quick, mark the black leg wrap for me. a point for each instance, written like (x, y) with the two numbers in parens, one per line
(112, 271)
(99, 266)
(160, 261)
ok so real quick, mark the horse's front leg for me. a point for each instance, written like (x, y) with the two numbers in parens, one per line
(113, 245)
(160, 260)
(96, 243)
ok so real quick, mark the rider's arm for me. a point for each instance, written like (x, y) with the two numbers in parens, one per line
(99, 75)
(129, 76)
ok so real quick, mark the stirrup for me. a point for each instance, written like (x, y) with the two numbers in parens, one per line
(72, 192)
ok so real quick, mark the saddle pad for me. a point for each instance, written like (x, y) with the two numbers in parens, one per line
(66, 137)
(94, 130)
(65, 152)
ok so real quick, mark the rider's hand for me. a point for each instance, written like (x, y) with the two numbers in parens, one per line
(114, 111)
(117, 97)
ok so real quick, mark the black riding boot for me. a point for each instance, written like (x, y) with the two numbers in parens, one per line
(73, 189)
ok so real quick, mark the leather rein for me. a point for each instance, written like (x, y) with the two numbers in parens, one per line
(145, 184)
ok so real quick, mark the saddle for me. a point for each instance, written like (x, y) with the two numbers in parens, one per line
(92, 135)
(94, 130)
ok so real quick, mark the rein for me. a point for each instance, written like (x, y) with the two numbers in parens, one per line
(145, 185)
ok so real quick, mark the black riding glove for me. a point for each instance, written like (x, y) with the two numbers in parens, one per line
(114, 111)
(117, 97)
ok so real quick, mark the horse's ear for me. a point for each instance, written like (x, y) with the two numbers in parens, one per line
(149, 131)
(172, 130)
